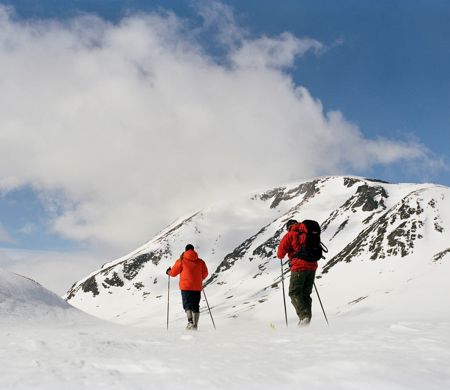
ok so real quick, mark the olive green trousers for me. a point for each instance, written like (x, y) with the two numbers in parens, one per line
(300, 289)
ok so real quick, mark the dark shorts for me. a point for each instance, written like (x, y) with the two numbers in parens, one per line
(191, 300)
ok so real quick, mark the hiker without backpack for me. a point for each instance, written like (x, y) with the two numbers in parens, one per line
(192, 271)
(303, 263)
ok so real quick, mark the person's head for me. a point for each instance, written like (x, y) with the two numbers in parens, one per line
(290, 223)
(189, 247)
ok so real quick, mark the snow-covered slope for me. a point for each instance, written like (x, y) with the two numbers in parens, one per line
(24, 300)
(389, 255)
(249, 355)
(45, 344)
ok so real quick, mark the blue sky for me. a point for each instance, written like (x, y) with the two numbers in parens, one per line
(382, 65)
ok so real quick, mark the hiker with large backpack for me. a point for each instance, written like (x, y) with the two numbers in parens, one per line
(302, 245)
(192, 271)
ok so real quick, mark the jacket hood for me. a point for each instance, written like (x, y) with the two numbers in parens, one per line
(296, 228)
(190, 255)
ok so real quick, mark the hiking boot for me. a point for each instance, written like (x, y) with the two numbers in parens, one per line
(190, 319)
(190, 325)
(304, 322)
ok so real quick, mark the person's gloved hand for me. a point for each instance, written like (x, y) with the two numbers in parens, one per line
(168, 270)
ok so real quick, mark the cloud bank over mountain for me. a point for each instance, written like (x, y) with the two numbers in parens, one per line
(120, 128)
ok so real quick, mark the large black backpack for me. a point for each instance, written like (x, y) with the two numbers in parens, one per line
(312, 249)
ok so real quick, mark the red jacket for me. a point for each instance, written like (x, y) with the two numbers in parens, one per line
(290, 243)
(192, 271)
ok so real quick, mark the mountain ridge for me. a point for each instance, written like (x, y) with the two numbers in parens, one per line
(363, 221)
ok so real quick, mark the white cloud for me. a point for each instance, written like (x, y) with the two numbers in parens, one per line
(29, 228)
(122, 128)
(5, 237)
(279, 52)
(219, 19)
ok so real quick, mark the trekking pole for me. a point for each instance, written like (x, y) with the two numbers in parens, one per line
(284, 296)
(168, 295)
(318, 296)
(207, 304)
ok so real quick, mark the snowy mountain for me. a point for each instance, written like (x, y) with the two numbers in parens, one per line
(389, 255)
(24, 300)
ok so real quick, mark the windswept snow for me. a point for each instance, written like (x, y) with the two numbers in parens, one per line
(45, 344)
(246, 355)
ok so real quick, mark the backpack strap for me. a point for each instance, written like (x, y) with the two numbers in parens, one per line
(299, 237)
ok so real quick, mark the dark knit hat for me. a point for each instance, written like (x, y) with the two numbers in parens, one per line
(290, 223)
(189, 247)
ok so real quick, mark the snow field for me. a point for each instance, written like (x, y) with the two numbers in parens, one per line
(251, 355)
